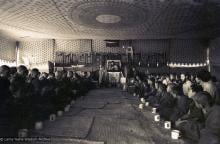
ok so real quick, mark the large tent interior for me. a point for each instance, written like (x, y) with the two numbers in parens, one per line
(92, 71)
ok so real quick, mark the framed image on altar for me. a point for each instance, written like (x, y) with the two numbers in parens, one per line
(113, 65)
(82, 58)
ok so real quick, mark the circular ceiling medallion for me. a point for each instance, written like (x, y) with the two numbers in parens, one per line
(109, 14)
(108, 19)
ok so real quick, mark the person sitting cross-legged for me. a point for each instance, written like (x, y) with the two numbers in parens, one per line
(166, 103)
(161, 92)
(204, 78)
(22, 95)
(152, 90)
(191, 123)
(178, 108)
(211, 133)
(5, 128)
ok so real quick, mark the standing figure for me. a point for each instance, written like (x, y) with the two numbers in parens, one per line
(101, 75)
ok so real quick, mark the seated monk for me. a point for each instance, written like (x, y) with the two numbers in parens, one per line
(191, 123)
(167, 103)
(205, 80)
(22, 94)
(152, 90)
(161, 91)
(211, 133)
(5, 101)
(179, 107)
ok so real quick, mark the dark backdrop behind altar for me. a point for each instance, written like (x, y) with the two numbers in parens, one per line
(37, 52)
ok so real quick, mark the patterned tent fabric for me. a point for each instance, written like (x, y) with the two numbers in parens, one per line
(7, 48)
(178, 51)
(137, 19)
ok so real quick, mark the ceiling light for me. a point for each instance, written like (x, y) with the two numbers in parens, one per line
(108, 19)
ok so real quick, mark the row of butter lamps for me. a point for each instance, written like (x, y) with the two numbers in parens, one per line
(22, 133)
(175, 134)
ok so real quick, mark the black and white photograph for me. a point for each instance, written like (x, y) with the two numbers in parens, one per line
(110, 71)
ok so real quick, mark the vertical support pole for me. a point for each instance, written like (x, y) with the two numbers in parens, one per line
(54, 54)
(17, 53)
(92, 55)
(208, 59)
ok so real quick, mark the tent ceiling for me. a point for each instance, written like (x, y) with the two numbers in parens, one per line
(109, 19)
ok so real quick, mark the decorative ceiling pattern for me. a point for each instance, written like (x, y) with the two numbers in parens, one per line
(109, 19)
(125, 15)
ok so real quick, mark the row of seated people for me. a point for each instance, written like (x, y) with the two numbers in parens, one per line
(30, 97)
(190, 102)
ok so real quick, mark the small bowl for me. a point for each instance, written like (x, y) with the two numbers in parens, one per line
(167, 125)
(154, 110)
(52, 117)
(147, 104)
(175, 134)
(141, 106)
(157, 118)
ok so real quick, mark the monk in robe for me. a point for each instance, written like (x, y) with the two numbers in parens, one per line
(167, 103)
(161, 90)
(5, 101)
(152, 90)
(22, 94)
(211, 133)
(204, 78)
(179, 107)
(191, 123)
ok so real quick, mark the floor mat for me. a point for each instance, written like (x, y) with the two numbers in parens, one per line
(87, 104)
(69, 127)
(118, 131)
(113, 111)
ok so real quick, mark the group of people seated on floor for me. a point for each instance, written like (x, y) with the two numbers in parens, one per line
(190, 102)
(30, 96)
